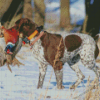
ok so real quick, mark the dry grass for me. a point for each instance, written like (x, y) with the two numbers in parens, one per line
(93, 94)
(92, 91)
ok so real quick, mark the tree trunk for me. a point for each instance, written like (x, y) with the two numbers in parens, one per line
(15, 9)
(39, 8)
(92, 20)
(87, 9)
(28, 9)
(4, 5)
(65, 14)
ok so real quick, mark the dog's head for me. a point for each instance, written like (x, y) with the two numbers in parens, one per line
(25, 26)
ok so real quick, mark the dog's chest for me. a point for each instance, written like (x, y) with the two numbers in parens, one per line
(38, 52)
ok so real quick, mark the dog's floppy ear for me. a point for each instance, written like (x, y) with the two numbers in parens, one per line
(22, 21)
(19, 23)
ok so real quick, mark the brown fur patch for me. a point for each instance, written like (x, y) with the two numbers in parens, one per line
(72, 42)
(25, 26)
(50, 42)
(96, 52)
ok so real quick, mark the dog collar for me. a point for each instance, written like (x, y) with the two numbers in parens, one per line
(40, 35)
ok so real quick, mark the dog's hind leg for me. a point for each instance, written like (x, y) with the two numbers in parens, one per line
(73, 63)
(42, 72)
(92, 66)
(79, 75)
(88, 59)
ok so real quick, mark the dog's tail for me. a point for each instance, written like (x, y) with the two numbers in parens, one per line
(96, 37)
(97, 40)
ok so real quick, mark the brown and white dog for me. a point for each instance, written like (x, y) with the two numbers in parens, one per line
(74, 47)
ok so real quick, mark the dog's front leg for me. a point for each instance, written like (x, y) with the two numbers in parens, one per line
(59, 78)
(42, 72)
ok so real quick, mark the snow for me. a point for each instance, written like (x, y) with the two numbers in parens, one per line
(52, 5)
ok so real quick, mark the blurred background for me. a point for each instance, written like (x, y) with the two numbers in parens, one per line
(66, 15)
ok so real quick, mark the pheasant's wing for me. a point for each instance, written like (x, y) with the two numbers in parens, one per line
(2, 57)
(18, 47)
